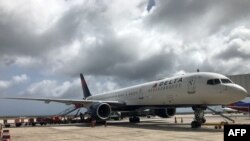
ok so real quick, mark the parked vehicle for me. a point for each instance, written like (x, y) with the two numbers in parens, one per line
(6, 137)
(6, 131)
(32, 122)
(42, 121)
(18, 122)
(5, 122)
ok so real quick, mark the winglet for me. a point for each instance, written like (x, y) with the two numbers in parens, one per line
(85, 88)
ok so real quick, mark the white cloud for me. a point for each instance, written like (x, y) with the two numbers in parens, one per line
(241, 32)
(240, 37)
(44, 88)
(68, 89)
(13, 82)
(109, 86)
(53, 88)
(4, 84)
(37, 15)
(20, 79)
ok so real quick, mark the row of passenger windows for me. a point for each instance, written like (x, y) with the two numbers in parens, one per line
(135, 93)
(218, 81)
(165, 88)
(120, 95)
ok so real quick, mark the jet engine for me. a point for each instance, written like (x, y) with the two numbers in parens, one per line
(100, 111)
(165, 113)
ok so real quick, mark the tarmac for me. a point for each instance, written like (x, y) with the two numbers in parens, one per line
(149, 129)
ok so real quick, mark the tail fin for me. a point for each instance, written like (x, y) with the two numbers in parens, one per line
(85, 88)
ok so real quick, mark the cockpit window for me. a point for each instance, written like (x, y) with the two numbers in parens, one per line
(226, 81)
(216, 81)
(210, 82)
(213, 81)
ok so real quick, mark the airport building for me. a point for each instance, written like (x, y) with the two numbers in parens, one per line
(241, 79)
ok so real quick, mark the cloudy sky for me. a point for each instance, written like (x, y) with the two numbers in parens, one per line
(45, 45)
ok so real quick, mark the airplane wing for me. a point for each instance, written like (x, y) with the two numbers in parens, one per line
(81, 102)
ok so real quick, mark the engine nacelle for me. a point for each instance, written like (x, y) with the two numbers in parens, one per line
(165, 113)
(100, 111)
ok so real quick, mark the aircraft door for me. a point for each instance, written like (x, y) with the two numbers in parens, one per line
(140, 95)
(170, 98)
(191, 85)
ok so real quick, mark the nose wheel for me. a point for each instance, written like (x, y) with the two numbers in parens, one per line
(134, 120)
(198, 116)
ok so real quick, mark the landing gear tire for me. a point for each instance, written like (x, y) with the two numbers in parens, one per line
(137, 119)
(131, 120)
(195, 124)
(134, 120)
(203, 120)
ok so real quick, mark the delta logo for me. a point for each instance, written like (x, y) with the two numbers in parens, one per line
(168, 82)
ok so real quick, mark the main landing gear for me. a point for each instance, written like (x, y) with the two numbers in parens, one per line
(198, 116)
(134, 119)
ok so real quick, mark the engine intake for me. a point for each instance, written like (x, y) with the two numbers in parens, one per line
(165, 113)
(100, 111)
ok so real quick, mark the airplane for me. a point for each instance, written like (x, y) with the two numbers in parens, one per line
(240, 106)
(197, 90)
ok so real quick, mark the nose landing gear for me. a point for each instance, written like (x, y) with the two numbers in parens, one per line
(198, 116)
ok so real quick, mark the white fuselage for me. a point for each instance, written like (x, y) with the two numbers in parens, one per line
(189, 89)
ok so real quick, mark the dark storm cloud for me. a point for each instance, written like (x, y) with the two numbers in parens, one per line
(192, 14)
(8, 61)
(117, 43)
(119, 57)
(110, 55)
(233, 52)
(114, 50)
(19, 38)
(146, 69)
(177, 12)
(15, 38)
(151, 4)
(229, 12)
(100, 56)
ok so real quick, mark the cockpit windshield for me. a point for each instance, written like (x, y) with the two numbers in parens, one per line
(226, 81)
(218, 81)
(213, 81)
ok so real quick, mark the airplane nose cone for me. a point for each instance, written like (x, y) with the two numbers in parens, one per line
(246, 93)
(234, 93)
(242, 91)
